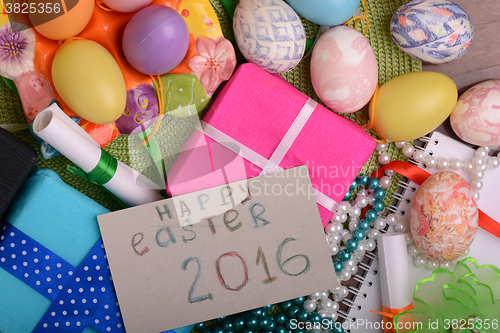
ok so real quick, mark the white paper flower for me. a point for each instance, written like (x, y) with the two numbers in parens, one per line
(17, 46)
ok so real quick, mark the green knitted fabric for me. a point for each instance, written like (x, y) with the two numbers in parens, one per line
(392, 62)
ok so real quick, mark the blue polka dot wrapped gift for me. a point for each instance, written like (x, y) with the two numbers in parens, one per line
(53, 268)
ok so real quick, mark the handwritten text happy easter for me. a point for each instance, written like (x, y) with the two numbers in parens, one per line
(242, 210)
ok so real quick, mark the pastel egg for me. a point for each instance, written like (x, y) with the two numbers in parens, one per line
(89, 81)
(476, 117)
(127, 6)
(325, 12)
(55, 22)
(444, 216)
(433, 31)
(269, 34)
(344, 70)
(140, 111)
(156, 40)
(412, 105)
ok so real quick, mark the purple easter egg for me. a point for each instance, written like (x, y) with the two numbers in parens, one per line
(156, 40)
(140, 112)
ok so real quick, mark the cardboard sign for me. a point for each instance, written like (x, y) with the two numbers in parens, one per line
(267, 249)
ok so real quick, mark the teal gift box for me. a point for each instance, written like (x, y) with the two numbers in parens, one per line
(53, 269)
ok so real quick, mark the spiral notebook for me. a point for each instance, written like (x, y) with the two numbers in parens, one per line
(358, 318)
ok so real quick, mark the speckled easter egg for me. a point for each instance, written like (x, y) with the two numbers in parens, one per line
(444, 216)
(476, 117)
(269, 34)
(344, 69)
(433, 31)
(140, 111)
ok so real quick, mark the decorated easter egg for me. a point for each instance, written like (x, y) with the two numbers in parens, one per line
(476, 117)
(269, 34)
(53, 21)
(127, 6)
(89, 81)
(183, 95)
(344, 70)
(412, 105)
(325, 12)
(433, 31)
(156, 40)
(141, 110)
(444, 216)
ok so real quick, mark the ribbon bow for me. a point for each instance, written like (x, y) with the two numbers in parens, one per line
(81, 296)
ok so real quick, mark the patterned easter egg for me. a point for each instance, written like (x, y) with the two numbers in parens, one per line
(269, 34)
(140, 111)
(344, 69)
(444, 216)
(476, 117)
(433, 31)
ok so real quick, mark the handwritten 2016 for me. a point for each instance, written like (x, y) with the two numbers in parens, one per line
(217, 252)
(256, 210)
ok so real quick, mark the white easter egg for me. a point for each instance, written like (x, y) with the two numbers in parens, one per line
(269, 34)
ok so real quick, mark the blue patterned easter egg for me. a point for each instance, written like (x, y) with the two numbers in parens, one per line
(432, 31)
(269, 34)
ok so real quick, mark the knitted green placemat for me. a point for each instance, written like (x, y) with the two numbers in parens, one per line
(392, 62)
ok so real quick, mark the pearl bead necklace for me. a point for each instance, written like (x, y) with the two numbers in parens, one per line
(349, 246)
(476, 166)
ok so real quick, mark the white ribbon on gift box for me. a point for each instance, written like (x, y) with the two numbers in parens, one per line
(272, 164)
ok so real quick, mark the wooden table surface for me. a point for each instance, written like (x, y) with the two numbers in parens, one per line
(482, 61)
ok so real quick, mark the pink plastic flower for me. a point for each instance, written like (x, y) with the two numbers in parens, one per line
(214, 63)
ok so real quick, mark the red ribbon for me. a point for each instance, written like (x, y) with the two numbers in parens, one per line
(418, 176)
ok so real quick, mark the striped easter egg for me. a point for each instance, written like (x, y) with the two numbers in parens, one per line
(432, 31)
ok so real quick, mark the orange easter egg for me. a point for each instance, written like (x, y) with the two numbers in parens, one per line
(60, 20)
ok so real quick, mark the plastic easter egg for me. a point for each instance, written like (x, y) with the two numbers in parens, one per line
(444, 216)
(269, 34)
(476, 117)
(127, 6)
(412, 105)
(156, 40)
(433, 31)
(325, 12)
(89, 81)
(344, 70)
(52, 22)
(140, 112)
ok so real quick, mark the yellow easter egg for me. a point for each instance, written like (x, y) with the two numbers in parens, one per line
(89, 81)
(60, 20)
(412, 105)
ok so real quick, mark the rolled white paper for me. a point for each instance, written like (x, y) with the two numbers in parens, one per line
(58, 130)
(394, 272)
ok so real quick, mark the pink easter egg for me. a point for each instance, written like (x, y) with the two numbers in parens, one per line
(344, 70)
(476, 117)
(444, 216)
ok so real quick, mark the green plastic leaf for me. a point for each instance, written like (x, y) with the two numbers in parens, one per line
(11, 85)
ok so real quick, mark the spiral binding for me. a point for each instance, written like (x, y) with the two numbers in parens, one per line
(357, 292)
(367, 268)
(351, 304)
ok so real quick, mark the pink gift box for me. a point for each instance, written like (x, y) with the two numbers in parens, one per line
(253, 114)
